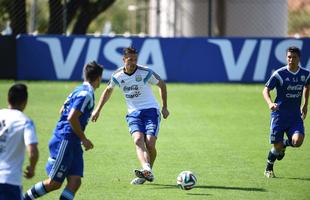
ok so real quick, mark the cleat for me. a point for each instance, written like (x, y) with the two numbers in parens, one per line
(281, 155)
(148, 175)
(137, 181)
(269, 174)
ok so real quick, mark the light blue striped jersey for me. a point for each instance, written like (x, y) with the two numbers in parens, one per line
(82, 99)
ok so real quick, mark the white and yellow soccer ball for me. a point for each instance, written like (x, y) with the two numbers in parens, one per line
(186, 180)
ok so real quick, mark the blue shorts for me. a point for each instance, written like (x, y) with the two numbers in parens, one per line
(10, 192)
(66, 159)
(289, 126)
(146, 121)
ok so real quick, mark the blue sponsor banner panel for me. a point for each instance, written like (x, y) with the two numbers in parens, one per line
(191, 60)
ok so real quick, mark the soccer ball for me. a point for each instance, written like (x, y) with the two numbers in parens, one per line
(186, 180)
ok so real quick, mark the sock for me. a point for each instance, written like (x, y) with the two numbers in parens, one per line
(35, 191)
(147, 166)
(286, 143)
(272, 156)
(66, 195)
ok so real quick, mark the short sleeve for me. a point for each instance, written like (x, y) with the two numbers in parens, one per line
(30, 133)
(273, 81)
(308, 80)
(152, 78)
(113, 82)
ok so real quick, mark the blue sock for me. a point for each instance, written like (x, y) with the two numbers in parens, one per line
(272, 156)
(286, 143)
(35, 191)
(66, 195)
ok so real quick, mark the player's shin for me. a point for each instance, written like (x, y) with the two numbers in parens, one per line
(66, 195)
(35, 191)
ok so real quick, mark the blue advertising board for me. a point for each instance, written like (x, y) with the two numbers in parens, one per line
(191, 60)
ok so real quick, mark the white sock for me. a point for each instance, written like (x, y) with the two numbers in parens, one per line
(147, 166)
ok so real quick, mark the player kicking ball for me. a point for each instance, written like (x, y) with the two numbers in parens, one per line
(287, 114)
(143, 116)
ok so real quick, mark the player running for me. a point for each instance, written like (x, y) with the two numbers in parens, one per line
(292, 84)
(66, 154)
(143, 116)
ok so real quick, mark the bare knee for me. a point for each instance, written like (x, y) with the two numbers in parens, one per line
(138, 139)
(297, 140)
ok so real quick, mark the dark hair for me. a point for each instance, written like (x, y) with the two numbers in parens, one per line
(129, 50)
(92, 71)
(17, 94)
(294, 49)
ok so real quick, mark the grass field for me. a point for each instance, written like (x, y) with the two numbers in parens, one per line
(219, 131)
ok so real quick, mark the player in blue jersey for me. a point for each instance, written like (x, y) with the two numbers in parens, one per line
(287, 111)
(66, 154)
(143, 116)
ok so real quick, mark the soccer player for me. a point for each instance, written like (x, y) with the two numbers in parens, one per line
(17, 132)
(143, 116)
(66, 154)
(292, 84)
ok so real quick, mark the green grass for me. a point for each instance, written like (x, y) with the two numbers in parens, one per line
(219, 131)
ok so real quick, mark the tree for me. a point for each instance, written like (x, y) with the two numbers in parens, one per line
(84, 11)
(62, 14)
(17, 15)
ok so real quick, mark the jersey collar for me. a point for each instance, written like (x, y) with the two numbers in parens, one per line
(89, 85)
(132, 72)
(294, 73)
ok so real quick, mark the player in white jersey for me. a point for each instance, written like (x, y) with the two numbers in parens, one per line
(143, 116)
(17, 132)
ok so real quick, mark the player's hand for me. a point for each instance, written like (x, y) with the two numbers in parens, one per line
(304, 111)
(29, 172)
(87, 144)
(273, 106)
(165, 112)
(95, 115)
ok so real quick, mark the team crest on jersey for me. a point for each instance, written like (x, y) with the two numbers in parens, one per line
(138, 78)
(302, 78)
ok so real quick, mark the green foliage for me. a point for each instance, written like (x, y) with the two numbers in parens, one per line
(299, 21)
(219, 131)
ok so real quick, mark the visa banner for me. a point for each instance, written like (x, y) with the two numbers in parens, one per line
(190, 60)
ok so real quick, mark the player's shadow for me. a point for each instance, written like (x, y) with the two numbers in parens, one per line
(167, 186)
(295, 178)
(252, 189)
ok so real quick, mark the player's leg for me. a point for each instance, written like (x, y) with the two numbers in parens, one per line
(74, 175)
(152, 124)
(74, 183)
(56, 168)
(296, 133)
(141, 151)
(276, 139)
(151, 148)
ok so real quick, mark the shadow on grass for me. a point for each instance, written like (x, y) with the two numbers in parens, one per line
(295, 178)
(166, 186)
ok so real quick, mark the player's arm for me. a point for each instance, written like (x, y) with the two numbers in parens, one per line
(163, 94)
(105, 96)
(73, 119)
(266, 94)
(33, 153)
(304, 108)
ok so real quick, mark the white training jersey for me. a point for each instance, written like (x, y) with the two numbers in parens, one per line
(16, 131)
(136, 87)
